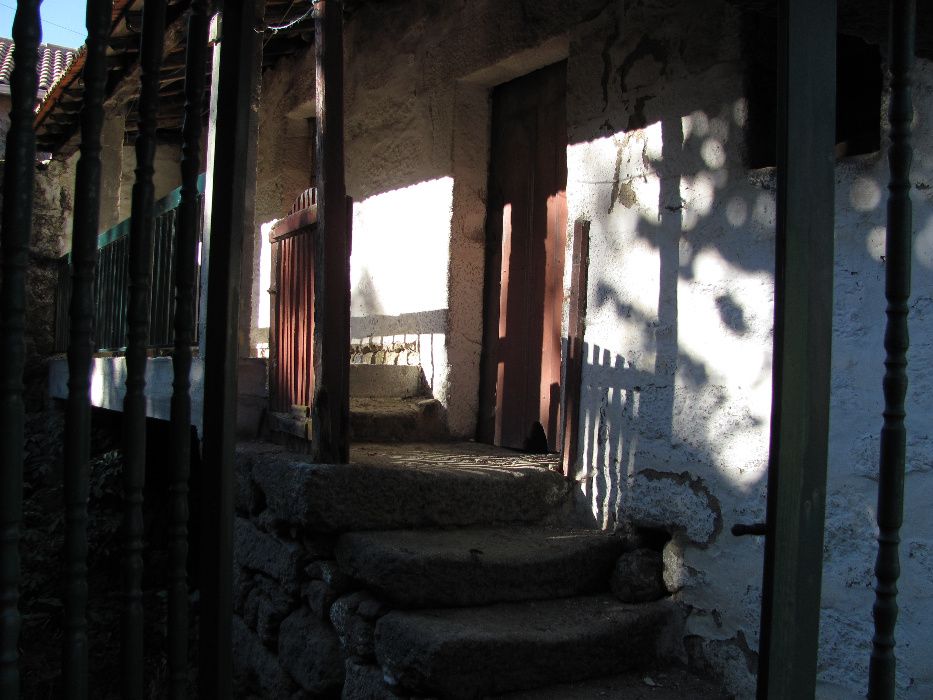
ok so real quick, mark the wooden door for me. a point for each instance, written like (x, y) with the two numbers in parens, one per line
(525, 240)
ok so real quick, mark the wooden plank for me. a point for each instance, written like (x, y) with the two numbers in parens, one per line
(802, 350)
(573, 383)
(231, 187)
(893, 452)
(330, 414)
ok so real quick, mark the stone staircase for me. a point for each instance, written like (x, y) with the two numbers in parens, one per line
(388, 403)
(442, 571)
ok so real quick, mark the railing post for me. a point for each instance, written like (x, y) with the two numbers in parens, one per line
(185, 273)
(896, 341)
(80, 350)
(802, 349)
(134, 404)
(230, 185)
(330, 405)
(17, 228)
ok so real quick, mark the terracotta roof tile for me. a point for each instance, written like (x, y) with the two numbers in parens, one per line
(53, 61)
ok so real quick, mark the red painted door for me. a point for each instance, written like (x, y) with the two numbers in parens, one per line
(525, 238)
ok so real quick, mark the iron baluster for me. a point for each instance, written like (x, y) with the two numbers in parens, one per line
(881, 673)
(80, 350)
(17, 228)
(134, 405)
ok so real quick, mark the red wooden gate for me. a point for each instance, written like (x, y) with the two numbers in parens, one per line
(291, 332)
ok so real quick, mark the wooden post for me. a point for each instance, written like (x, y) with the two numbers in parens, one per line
(802, 350)
(573, 384)
(185, 274)
(330, 406)
(231, 183)
(898, 251)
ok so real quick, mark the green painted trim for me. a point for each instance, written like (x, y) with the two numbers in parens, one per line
(167, 203)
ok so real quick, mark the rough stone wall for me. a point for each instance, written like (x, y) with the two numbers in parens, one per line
(301, 626)
(284, 167)
(166, 175)
(53, 205)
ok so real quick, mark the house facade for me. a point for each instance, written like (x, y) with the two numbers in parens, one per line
(664, 123)
(479, 134)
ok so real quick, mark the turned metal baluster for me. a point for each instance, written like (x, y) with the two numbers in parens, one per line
(185, 263)
(896, 341)
(17, 227)
(134, 405)
(80, 351)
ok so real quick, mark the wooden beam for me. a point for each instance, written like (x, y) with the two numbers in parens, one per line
(802, 349)
(330, 407)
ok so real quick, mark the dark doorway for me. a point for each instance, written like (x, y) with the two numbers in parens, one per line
(526, 226)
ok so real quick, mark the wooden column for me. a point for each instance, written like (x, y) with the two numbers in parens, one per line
(231, 180)
(16, 231)
(802, 349)
(330, 406)
(898, 251)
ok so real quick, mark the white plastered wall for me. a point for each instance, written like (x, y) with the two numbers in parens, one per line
(676, 398)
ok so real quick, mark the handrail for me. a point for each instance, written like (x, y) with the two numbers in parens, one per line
(110, 295)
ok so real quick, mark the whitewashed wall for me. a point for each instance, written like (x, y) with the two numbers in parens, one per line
(679, 333)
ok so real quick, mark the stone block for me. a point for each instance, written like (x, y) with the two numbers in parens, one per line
(637, 577)
(310, 652)
(320, 597)
(256, 550)
(364, 681)
(255, 667)
(356, 632)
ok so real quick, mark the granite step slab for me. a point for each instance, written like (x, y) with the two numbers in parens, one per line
(469, 567)
(394, 419)
(489, 650)
(398, 487)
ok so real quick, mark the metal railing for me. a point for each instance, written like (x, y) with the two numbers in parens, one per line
(111, 288)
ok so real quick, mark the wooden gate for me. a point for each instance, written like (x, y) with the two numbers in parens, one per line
(291, 332)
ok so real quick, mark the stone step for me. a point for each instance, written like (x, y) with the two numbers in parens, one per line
(452, 568)
(397, 487)
(477, 652)
(383, 381)
(661, 684)
(394, 419)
